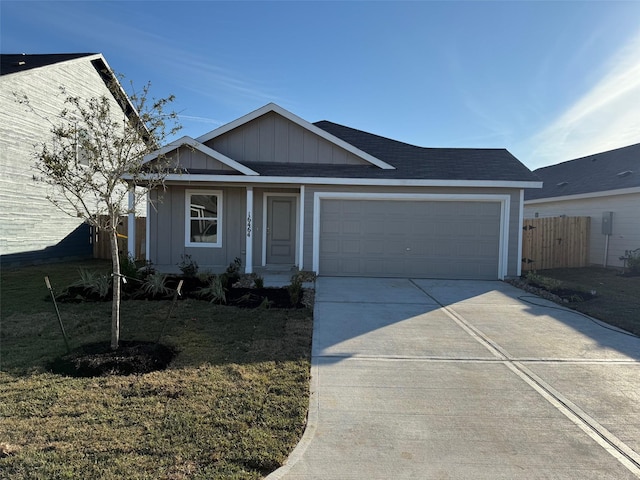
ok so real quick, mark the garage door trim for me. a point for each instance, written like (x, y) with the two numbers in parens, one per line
(504, 200)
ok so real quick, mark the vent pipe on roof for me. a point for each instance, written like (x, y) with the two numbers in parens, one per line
(625, 173)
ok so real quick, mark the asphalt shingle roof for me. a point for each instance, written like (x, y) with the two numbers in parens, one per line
(20, 62)
(595, 173)
(413, 162)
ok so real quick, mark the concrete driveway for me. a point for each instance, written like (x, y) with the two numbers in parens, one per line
(438, 379)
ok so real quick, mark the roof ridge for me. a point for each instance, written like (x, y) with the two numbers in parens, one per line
(592, 157)
(388, 139)
(356, 130)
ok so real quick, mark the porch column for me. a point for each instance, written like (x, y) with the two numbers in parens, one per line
(131, 222)
(248, 268)
(301, 231)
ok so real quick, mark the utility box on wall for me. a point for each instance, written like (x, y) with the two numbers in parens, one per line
(607, 223)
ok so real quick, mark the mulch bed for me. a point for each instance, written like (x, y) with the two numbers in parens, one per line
(243, 297)
(98, 359)
(560, 295)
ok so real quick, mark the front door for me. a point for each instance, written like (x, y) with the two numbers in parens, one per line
(281, 230)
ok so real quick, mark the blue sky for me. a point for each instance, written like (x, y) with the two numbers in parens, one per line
(550, 81)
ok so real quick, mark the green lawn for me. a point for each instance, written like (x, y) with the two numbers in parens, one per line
(618, 297)
(232, 404)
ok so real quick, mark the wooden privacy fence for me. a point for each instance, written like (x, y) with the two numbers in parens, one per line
(555, 242)
(102, 244)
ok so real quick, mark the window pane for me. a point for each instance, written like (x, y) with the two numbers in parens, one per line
(204, 206)
(204, 231)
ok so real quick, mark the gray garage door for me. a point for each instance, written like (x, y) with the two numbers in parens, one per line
(409, 238)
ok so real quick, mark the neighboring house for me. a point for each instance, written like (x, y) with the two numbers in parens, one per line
(601, 186)
(32, 230)
(278, 192)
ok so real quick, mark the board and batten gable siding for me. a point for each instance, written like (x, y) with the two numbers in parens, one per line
(274, 139)
(167, 230)
(28, 221)
(513, 227)
(190, 158)
(626, 222)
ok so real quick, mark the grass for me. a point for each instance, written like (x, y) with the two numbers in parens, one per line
(231, 405)
(618, 297)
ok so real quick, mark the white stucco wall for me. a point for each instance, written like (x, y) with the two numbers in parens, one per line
(626, 222)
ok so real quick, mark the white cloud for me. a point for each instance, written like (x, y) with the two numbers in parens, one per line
(607, 117)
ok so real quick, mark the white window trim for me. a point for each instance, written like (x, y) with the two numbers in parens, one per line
(187, 219)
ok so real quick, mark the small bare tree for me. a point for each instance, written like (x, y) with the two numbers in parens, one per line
(95, 156)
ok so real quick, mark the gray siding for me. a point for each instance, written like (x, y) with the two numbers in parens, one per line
(626, 222)
(168, 224)
(167, 230)
(28, 221)
(191, 158)
(273, 138)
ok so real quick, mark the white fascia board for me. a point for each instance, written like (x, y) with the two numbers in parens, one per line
(186, 140)
(114, 77)
(272, 107)
(186, 178)
(583, 196)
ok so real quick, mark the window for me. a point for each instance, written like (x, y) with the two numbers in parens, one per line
(203, 218)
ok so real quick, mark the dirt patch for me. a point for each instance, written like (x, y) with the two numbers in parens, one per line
(256, 297)
(98, 359)
(558, 295)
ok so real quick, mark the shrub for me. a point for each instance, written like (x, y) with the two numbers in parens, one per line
(155, 285)
(258, 281)
(215, 290)
(232, 274)
(94, 282)
(205, 277)
(544, 282)
(295, 289)
(188, 266)
(633, 262)
(128, 267)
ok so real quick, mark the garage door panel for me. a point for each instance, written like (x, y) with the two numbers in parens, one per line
(330, 226)
(373, 247)
(373, 228)
(352, 227)
(437, 239)
(330, 246)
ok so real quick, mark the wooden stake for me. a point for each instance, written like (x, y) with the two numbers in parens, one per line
(55, 304)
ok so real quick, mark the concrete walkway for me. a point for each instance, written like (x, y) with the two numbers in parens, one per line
(428, 379)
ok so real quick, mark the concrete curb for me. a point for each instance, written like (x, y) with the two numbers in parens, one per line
(310, 429)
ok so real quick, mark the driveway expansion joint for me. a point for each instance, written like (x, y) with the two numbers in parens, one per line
(607, 440)
(590, 439)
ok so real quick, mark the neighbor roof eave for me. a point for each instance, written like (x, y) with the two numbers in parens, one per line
(582, 196)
